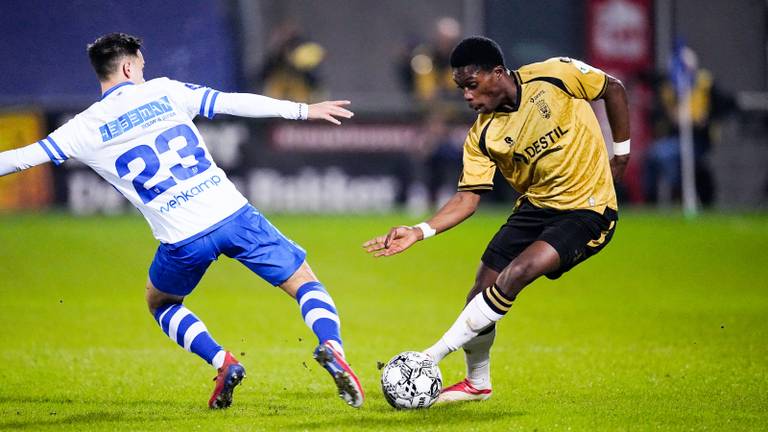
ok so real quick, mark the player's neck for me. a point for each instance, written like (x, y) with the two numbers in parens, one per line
(510, 98)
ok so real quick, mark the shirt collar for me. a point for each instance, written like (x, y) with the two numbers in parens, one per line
(115, 87)
(519, 85)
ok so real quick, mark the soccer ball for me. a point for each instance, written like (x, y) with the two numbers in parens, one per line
(411, 380)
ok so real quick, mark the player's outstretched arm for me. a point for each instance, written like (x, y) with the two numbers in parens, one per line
(16, 160)
(461, 206)
(329, 111)
(258, 106)
(617, 110)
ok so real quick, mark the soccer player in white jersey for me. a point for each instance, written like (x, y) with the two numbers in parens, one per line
(140, 138)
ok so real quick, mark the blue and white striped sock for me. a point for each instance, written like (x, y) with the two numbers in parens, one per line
(320, 314)
(184, 328)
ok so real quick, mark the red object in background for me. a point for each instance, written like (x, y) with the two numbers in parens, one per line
(619, 34)
(619, 41)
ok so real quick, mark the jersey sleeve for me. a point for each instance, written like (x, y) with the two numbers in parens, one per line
(204, 101)
(253, 105)
(195, 99)
(22, 158)
(65, 142)
(478, 171)
(574, 77)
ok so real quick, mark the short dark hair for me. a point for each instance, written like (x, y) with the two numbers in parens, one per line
(477, 51)
(106, 51)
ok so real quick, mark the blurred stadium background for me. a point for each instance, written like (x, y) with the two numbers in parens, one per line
(403, 147)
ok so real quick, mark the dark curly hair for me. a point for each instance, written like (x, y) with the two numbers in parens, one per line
(106, 52)
(477, 51)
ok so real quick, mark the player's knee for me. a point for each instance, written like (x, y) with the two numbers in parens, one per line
(520, 270)
(484, 278)
(153, 302)
(157, 299)
(301, 276)
(516, 276)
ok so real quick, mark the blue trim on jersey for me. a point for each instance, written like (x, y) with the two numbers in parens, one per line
(50, 154)
(213, 227)
(113, 88)
(213, 102)
(57, 148)
(202, 104)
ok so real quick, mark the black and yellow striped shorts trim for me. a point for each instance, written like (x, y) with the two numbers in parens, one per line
(603, 235)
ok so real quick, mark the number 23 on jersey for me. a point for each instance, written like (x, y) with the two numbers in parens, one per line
(152, 162)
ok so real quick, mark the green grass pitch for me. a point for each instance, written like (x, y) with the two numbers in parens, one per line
(666, 329)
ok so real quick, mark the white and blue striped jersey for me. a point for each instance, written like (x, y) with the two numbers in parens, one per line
(141, 139)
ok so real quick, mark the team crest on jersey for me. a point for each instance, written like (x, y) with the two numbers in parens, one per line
(543, 109)
(509, 141)
(541, 104)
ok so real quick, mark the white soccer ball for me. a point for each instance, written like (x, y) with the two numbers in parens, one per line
(411, 380)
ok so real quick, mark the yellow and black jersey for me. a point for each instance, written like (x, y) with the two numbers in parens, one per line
(549, 147)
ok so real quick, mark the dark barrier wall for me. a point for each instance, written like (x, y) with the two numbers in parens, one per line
(534, 31)
(367, 165)
(43, 45)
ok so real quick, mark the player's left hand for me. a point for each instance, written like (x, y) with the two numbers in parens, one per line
(618, 166)
(329, 110)
(397, 240)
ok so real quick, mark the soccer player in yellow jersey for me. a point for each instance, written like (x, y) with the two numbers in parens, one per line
(536, 127)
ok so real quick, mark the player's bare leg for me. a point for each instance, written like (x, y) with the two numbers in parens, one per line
(320, 315)
(156, 298)
(301, 276)
(537, 259)
(489, 305)
(182, 326)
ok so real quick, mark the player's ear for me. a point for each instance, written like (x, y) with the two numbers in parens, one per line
(129, 67)
(498, 72)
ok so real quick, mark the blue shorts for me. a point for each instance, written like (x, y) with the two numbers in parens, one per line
(246, 236)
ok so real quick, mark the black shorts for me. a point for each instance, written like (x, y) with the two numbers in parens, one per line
(575, 234)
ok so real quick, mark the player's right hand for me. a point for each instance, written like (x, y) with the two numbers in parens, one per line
(397, 240)
(329, 110)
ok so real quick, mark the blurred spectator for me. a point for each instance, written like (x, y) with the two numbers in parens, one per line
(425, 69)
(434, 164)
(290, 69)
(444, 153)
(663, 177)
(426, 75)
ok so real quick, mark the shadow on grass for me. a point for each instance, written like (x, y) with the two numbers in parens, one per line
(51, 412)
(88, 419)
(65, 401)
(302, 410)
(384, 417)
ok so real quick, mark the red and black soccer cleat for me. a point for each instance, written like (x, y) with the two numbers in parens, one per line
(230, 375)
(346, 380)
(461, 392)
